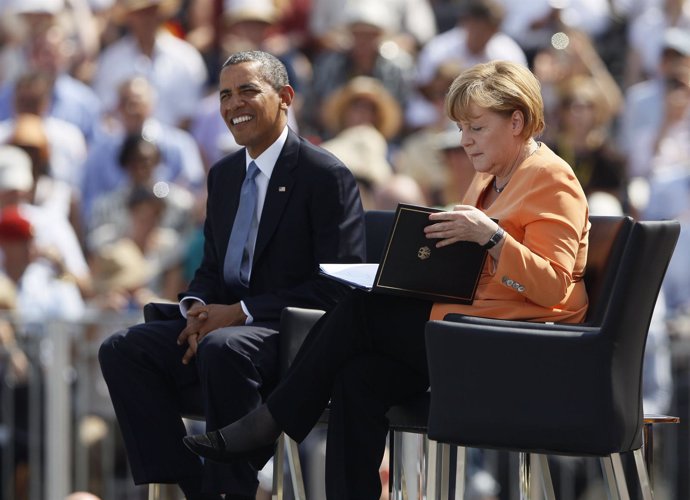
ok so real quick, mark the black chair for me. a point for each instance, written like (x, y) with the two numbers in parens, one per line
(556, 389)
(608, 236)
(295, 324)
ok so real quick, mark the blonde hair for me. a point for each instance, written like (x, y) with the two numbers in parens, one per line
(499, 86)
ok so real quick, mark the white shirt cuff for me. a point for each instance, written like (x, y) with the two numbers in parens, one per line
(187, 302)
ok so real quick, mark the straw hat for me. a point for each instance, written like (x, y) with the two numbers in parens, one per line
(388, 111)
(364, 151)
(120, 266)
(166, 8)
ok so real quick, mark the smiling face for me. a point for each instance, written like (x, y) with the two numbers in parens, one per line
(492, 140)
(253, 110)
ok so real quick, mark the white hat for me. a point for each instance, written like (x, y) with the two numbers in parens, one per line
(250, 10)
(677, 39)
(373, 13)
(36, 6)
(15, 169)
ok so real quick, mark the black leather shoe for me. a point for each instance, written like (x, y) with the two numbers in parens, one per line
(212, 446)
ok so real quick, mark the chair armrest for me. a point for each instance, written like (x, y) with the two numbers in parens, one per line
(160, 311)
(504, 323)
(506, 372)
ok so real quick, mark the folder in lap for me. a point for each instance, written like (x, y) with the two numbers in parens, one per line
(412, 265)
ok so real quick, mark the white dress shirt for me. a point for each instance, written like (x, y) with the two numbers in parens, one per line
(266, 162)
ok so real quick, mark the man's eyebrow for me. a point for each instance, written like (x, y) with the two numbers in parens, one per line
(244, 86)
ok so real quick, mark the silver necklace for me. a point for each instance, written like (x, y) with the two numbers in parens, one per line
(500, 189)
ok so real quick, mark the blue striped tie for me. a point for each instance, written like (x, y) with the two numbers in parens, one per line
(240, 246)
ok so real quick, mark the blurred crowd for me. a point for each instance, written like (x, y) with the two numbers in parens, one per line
(109, 122)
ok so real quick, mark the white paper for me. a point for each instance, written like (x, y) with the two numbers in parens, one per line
(359, 275)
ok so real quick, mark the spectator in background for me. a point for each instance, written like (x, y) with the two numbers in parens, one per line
(47, 191)
(399, 188)
(42, 292)
(174, 67)
(459, 171)
(647, 39)
(411, 21)
(366, 53)
(419, 156)
(54, 237)
(532, 24)
(50, 52)
(583, 138)
(142, 265)
(572, 53)
(476, 38)
(362, 117)
(32, 95)
(180, 159)
(110, 217)
(654, 109)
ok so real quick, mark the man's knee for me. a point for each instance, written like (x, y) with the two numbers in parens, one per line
(220, 350)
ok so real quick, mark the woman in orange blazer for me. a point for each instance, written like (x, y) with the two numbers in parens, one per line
(368, 352)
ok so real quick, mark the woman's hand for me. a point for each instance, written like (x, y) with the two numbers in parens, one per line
(463, 223)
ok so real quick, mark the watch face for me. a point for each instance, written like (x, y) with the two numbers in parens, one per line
(493, 241)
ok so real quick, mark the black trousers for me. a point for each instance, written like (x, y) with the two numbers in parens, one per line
(151, 389)
(365, 355)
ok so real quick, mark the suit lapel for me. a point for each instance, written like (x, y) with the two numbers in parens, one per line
(279, 191)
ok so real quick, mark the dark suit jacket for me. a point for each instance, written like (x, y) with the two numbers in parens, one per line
(312, 214)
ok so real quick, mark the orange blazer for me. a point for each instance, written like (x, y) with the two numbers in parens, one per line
(538, 276)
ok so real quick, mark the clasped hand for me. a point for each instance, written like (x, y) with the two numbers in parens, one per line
(463, 223)
(204, 319)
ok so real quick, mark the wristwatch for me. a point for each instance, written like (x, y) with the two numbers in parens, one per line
(495, 239)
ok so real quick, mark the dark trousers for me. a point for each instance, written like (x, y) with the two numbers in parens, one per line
(151, 389)
(365, 355)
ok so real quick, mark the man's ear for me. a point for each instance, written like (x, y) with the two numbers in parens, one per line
(286, 94)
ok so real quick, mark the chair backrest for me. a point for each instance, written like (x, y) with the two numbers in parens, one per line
(607, 238)
(377, 227)
(296, 322)
(573, 389)
(629, 313)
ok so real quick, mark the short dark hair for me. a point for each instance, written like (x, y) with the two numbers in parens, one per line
(130, 146)
(271, 69)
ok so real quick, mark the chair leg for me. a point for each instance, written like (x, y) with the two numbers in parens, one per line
(430, 468)
(460, 469)
(154, 491)
(438, 471)
(397, 486)
(443, 479)
(525, 475)
(295, 467)
(547, 483)
(645, 482)
(278, 469)
(615, 477)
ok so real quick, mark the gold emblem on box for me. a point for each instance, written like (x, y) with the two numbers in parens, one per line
(424, 253)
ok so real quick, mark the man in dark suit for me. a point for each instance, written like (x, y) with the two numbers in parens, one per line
(219, 356)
